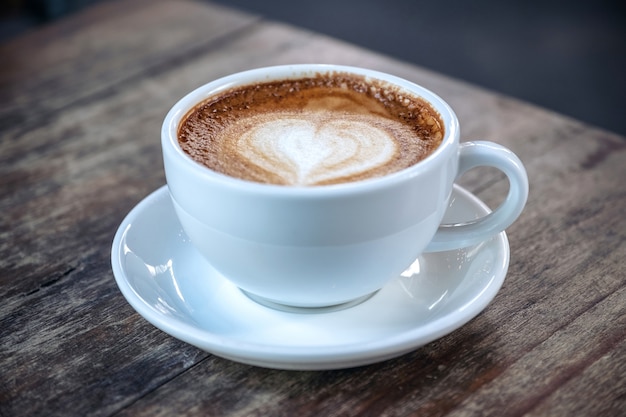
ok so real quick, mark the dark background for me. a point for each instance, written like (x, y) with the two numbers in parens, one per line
(567, 56)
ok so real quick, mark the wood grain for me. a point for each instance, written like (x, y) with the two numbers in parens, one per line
(80, 122)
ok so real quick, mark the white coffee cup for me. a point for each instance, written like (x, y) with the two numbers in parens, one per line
(327, 245)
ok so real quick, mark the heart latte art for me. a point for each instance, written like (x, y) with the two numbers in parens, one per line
(310, 132)
(315, 149)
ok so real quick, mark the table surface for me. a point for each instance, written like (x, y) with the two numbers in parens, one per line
(81, 104)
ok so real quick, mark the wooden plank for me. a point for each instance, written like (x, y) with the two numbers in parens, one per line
(570, 353)
(75, 347)
(54, 68)
(602, 381)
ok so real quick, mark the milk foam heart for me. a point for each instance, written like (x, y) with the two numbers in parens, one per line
(312, 148)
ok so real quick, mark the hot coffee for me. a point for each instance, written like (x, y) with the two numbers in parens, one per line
(328, 129)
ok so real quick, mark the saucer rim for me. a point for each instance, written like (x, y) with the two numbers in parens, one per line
(303, 357)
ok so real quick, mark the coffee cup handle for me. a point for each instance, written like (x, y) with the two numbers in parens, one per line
(472, 155)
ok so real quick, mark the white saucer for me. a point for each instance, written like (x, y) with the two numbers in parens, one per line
(174, 288)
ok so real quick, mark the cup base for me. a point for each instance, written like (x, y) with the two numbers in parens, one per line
(306, 310)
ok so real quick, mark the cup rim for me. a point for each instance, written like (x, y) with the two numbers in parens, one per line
(169, 129)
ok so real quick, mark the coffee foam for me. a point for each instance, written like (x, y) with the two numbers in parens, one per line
(313, 147)
(326, 130)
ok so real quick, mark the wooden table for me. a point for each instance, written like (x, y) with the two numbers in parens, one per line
(81, 104)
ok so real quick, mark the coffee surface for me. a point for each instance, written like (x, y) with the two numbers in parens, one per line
(322, 130)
